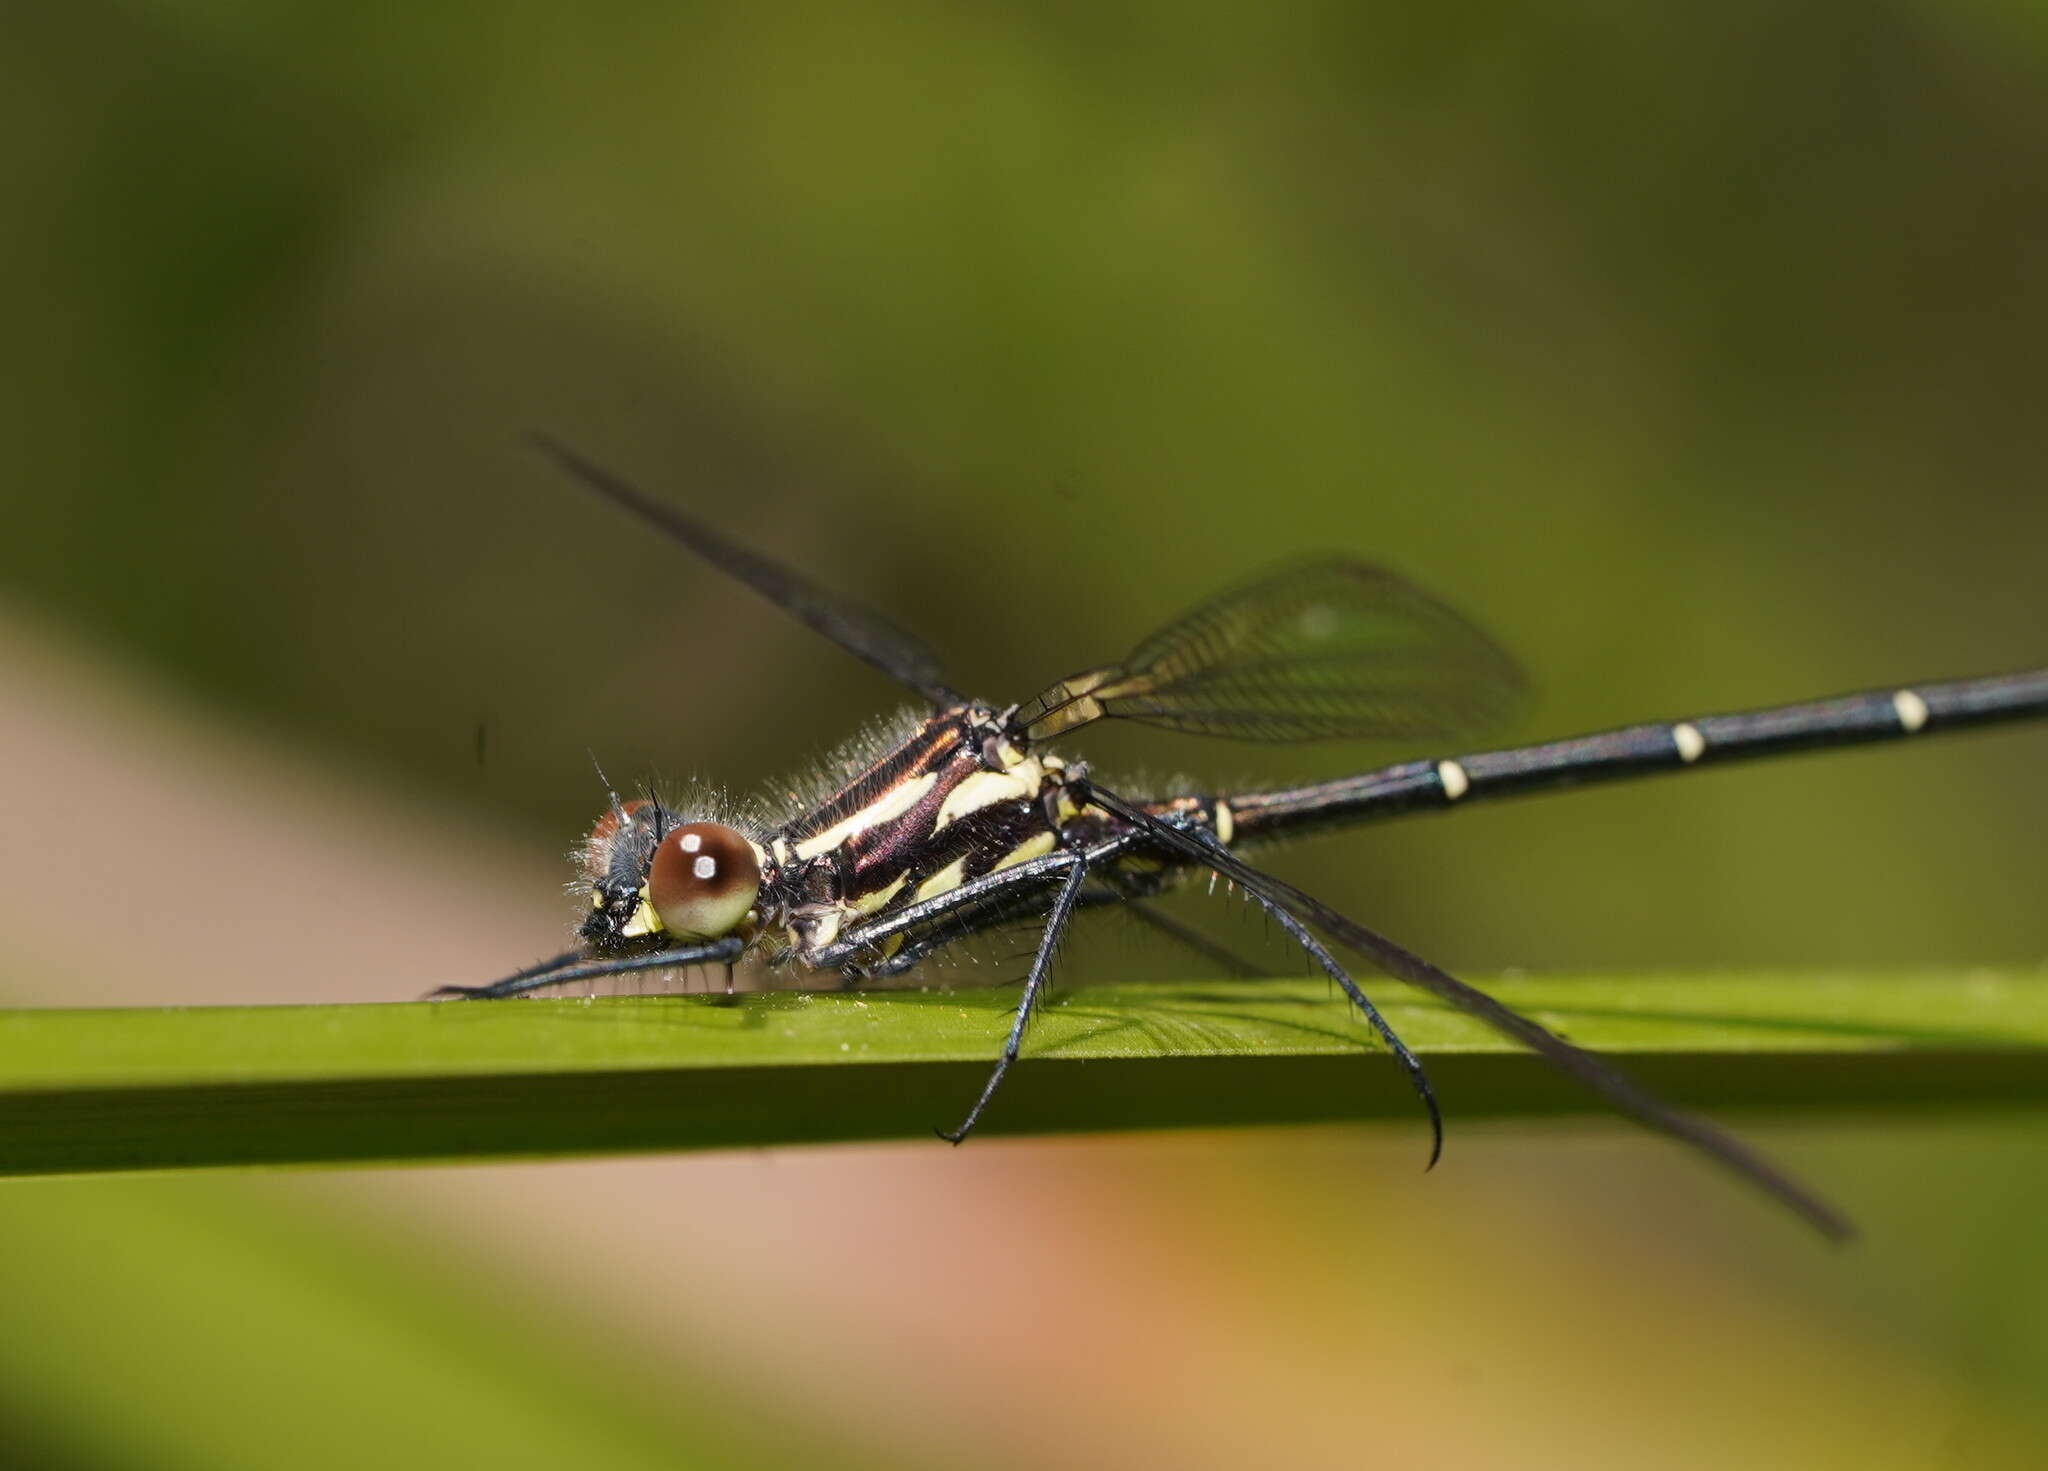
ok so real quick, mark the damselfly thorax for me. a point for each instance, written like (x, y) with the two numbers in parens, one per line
(957, 797)
(961, 795)
(965, 818)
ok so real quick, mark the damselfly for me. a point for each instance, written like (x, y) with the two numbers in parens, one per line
(965, 820)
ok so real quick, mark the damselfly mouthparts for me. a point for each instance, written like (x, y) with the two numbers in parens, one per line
(964, 820)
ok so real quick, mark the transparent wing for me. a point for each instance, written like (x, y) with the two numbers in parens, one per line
(860, 631)
(1330, 649)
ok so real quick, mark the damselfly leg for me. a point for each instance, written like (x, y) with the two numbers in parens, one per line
(579, 965)
(1034, 983)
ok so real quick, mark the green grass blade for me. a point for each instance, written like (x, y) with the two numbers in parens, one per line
(165, 1088)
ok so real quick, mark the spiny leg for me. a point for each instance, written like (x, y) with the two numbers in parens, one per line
(914, 952)
(1041, 964)
(513, 984)
(917, 951)
(576, 966)
(1301, 935)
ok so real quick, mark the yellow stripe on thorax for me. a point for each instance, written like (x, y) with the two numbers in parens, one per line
(893, 803)
(987, 788)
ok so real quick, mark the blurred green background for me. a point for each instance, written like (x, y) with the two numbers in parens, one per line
(1697, 352)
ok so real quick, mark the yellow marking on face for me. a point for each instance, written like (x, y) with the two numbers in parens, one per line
(1226, 822)
(596, 899)
(944, 881)
(898, 800)
(1455, 782)
(985, 789)
(1912, 711)
(1691, 744)
(644, 921)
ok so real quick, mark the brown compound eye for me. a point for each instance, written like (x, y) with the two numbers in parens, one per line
(702, 880)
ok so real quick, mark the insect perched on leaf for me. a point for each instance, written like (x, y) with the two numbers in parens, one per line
(966, 819)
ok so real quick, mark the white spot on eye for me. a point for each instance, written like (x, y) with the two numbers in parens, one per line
(1691, 744)
(1452, 775)
(1318, 621)
(690, 843)
(704, 867)
(1912, 710)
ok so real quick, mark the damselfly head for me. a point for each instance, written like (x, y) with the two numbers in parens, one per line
(655, 878)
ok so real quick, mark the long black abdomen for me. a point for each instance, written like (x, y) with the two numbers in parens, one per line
(1642, 750)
